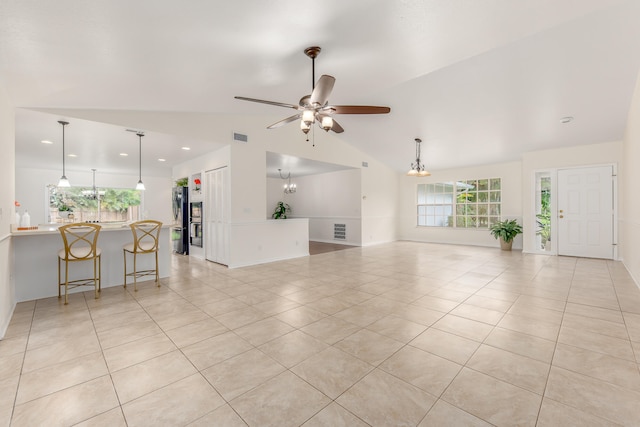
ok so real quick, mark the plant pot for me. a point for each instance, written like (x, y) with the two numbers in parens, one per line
(64, 214)
(505, 246)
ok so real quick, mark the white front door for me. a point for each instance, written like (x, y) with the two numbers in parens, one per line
(586, 212)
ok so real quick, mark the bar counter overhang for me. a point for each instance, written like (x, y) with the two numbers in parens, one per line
(35, 258)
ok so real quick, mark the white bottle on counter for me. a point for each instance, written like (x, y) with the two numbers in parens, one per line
(17, 219)
(26, 219)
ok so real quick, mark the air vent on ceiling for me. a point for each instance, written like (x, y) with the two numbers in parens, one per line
(240, 137)
(340, 231)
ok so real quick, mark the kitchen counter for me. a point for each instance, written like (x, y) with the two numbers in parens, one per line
(53, 228)
(35, 259)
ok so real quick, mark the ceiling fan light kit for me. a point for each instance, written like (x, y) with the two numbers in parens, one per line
(305, 127)
(308, 117)
(327, 123)
(315, 107)
(418, 169)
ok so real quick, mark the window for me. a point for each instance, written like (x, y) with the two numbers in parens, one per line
(543, 210)
(85, 204)
(435, 204)
(462, 204)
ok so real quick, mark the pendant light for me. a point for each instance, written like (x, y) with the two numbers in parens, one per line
(417, 168)
(140, 185)
(63, 182)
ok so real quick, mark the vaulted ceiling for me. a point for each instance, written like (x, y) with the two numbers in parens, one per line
(478, 81)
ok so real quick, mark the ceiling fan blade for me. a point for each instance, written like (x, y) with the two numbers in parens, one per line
(336, 127)
(359, 109)
(284, 121)
(323, 89)
(262, 101)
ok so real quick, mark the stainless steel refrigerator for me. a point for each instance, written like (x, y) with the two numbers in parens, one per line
(180, 229)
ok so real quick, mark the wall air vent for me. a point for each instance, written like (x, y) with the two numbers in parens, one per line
(340, 231)
(240, 137)
(365, 164)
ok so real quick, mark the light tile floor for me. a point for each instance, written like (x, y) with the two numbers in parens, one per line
(400, 334)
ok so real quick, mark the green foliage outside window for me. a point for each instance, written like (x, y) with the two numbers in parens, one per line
(111, 204)
(544, 217)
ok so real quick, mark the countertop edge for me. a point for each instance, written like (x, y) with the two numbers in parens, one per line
(54, 230)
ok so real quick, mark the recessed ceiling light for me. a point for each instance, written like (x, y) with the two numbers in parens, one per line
(186, 148)
(73, 155)
(567, 119)
(124, 154)
(44, 141)
(161, 160)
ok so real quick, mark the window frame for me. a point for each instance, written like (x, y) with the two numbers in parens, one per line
(84, 212)
(476, 204)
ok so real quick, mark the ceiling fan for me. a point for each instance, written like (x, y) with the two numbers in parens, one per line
(315, 107)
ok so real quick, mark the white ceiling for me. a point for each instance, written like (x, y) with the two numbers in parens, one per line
(478, 81)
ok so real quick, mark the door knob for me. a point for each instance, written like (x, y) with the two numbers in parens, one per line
(560, 211)
(561, 216)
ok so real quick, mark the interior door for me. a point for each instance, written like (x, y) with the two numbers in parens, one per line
(586, 212)
(216, 217)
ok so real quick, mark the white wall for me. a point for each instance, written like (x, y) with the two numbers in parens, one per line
(268, 241)
(247, 167)
(510, 174)
(31, 191)
(247, 170)
(325, 199)
(584, 155)
(7, 209)
(378, 183)
(629, 220)
(380, 204)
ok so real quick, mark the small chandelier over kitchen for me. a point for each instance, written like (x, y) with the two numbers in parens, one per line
(289, 188)
(140, 185)
(64, 182)
(93, 194)
(417, 168)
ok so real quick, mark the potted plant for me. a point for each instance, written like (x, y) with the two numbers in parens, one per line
(64, 210)
(506, 231)
(281, 211)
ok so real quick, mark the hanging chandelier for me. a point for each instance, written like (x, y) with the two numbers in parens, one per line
(63, 182)
(417, 168)
(289, 188)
